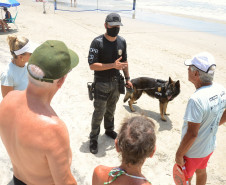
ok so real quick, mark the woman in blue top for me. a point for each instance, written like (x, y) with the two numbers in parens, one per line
(16, 77)
(5, 21)
(135, 142)
(7, 15)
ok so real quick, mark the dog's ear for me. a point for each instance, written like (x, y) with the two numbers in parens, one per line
(177, 84)
(170, 80)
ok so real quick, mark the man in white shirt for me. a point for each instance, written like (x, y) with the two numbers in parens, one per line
(204, 113)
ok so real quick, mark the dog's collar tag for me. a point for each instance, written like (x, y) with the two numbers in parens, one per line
(159, 89)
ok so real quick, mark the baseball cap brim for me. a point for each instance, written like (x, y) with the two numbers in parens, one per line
(74, 58)
(188, 62)
(115, 24)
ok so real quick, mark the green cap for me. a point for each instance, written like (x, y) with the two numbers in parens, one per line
(54, 59)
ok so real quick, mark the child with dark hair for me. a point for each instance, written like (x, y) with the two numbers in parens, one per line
(135, 142)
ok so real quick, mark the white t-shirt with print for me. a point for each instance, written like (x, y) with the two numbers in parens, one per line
(205, 106)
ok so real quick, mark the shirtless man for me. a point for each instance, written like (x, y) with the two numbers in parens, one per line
(36, 140)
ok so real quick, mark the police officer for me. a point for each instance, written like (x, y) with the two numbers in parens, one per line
(107, 55)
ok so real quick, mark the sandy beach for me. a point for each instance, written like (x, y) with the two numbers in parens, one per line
(154, 50)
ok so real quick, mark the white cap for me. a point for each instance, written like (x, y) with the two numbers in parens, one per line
(202, 61)
(28, 48)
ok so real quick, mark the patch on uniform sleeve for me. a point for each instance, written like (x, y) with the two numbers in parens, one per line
(119, 52)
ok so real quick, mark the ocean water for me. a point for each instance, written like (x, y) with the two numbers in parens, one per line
(198, 15)
(212, 9)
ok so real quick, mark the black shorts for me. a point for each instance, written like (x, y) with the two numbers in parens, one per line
(17, 181)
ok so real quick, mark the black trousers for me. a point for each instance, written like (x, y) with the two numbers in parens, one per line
(17, 181)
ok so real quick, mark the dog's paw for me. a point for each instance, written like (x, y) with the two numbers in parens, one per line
(166, 114)
(132, 109)
(163, 119)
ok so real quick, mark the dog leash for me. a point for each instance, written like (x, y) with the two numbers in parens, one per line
(131, 90)
(158, 92)
(146, 88)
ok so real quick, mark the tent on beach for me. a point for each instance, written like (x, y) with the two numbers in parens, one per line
(9, 3)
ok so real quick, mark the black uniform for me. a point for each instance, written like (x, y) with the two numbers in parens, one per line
(106, 92)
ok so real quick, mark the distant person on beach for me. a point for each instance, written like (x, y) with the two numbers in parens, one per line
(74, 3)
(5, 21)
(204, 113)
(16, 77)
(107, 55)
(35, 138)
(135, 142)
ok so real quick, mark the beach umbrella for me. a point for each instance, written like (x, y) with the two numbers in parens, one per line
(9, 3)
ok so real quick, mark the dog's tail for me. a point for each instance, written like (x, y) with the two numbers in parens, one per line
(128, 95)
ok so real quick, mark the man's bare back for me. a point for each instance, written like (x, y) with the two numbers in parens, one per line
(36, 139)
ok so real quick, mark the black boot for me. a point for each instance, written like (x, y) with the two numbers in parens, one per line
(93, 146)
(112, 134)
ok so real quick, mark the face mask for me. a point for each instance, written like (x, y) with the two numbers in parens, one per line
(113, 32)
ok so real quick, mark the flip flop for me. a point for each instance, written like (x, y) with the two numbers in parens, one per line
(180, 175)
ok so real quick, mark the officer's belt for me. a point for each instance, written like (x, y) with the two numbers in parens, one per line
(106, 79)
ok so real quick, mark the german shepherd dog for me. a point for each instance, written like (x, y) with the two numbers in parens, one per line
(165, 91)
